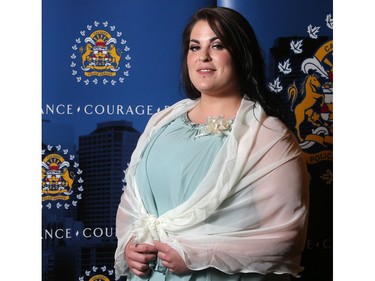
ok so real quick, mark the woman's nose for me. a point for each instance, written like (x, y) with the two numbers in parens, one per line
(204, 56)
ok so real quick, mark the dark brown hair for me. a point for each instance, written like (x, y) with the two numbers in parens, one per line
(237, 35)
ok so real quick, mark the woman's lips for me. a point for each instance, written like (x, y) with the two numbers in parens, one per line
(206, 70)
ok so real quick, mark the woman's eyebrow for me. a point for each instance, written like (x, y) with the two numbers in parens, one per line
(197, 41)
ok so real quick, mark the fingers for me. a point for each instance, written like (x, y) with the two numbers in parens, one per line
(163, 250)
(170, 258)
(138, 257)
(140, 253)
(141, 273)
(160, 246)
(144, 248)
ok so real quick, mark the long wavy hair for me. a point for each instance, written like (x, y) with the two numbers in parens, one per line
(237, 35)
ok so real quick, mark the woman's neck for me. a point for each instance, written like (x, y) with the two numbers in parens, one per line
(209, 106)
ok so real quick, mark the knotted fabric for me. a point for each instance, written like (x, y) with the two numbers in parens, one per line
(249, 213)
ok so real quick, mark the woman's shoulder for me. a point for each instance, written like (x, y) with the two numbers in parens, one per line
(256, 115)
(275, 124)
(170, 112)
(179, 104)
(271, 127)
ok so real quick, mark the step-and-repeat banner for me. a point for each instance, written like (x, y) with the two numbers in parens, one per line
(108, 66)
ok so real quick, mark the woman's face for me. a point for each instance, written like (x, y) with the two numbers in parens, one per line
(210, 66)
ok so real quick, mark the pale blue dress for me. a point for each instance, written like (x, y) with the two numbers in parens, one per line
(173, 163)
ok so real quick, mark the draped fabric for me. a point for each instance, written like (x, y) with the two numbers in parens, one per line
(163, 180)
(249, 213)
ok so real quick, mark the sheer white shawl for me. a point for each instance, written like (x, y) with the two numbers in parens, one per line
(249, 214)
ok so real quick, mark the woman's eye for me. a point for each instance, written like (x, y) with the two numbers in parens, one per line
(194, 48)
(218, 46)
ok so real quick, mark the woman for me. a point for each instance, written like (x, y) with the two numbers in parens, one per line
(217, 188)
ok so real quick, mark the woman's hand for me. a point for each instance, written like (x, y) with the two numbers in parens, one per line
(138, 257)
(170, 258)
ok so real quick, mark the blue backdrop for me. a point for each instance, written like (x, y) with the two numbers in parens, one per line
(108, 66)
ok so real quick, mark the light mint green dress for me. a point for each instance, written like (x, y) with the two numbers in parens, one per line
(173, 163)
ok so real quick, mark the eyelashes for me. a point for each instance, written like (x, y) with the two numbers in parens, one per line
(194, 48)
(215, 46)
